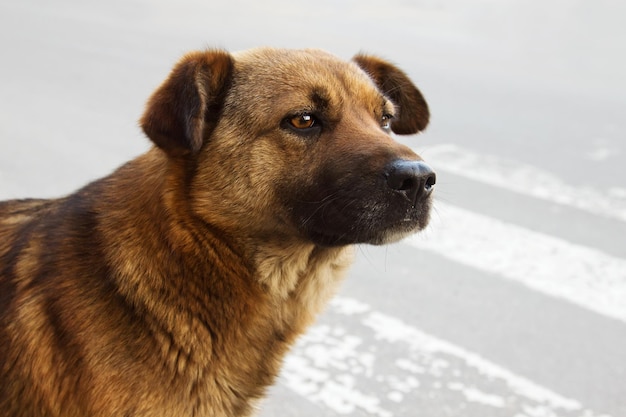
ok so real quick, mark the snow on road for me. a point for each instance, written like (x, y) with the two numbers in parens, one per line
(344, 371)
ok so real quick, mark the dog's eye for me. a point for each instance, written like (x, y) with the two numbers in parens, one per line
(303, 124)
(385, 121)
(302, 121)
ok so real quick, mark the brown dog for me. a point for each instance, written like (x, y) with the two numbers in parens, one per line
(174, 286)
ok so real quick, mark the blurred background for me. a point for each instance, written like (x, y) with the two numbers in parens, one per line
(512, 303)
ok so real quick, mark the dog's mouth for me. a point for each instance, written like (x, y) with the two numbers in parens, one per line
(371, 221)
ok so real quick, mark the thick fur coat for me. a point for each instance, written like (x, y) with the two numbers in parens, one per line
(175, 286)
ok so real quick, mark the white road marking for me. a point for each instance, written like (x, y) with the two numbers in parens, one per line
(323, 351)
(474, 395)
(341, 371)
(393, 330)
(581, 275)
(524, 179)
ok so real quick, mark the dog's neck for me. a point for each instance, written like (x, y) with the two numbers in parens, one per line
(301, 277)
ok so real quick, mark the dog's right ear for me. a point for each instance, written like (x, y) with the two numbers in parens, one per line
(184, 110)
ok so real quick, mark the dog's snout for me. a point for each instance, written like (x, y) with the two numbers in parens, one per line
(415, 179)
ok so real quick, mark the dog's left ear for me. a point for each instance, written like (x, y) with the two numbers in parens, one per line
(396, 85)
(183, 111)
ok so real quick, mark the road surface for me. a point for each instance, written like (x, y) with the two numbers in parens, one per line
(512, 303)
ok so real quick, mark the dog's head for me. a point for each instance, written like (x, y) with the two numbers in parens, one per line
(295, 144)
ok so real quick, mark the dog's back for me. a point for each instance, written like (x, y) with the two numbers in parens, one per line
(15, 215)
(52, 281)
(32, 335)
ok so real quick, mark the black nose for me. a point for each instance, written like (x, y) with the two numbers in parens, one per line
(414, 179)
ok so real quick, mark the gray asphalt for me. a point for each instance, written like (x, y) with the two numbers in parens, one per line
(537, 83)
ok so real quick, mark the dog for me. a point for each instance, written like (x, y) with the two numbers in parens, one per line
(175, 285)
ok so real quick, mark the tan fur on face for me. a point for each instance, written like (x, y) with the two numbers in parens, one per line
(175, 286)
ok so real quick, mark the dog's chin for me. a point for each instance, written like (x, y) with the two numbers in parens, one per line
(401, 231)
(393, 235)
(371, 234)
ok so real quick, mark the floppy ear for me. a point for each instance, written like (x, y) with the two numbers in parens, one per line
(396, 85)
(186, 107)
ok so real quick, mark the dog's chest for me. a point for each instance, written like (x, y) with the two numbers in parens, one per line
(301, 280)
(297, 285)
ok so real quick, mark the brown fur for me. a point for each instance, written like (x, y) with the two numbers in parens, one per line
(174, 286)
